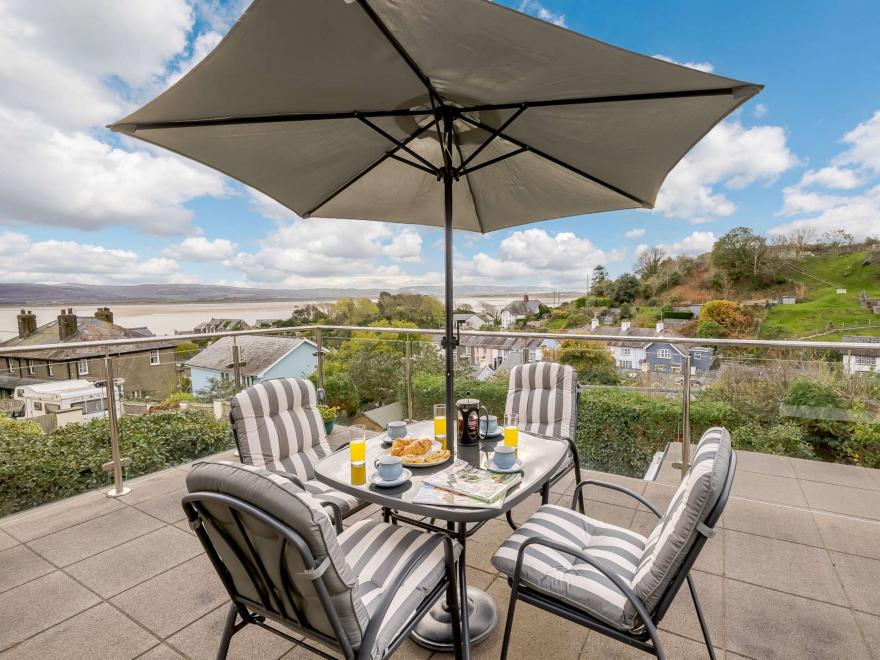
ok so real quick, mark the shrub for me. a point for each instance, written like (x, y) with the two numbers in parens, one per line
(725, 313)
(36, 468)
(581, 302)
(823, 402)
(786, 439)
(177, 397)
(709, 330)
(590, 360)
(863, 447)
(429, 389)
(340, 392)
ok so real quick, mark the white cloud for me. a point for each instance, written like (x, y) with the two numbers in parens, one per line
(535, 256)
(406, 247)
(199, 248)
(697, 242)
(535, 8)
(759, 110)
(707, 67)
(22, 260)
(857, 212)
(731, 156)
(635, 233)
(71, 179)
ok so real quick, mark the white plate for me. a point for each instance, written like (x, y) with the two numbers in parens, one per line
(435, 446)
(516, 467)
(376, 480)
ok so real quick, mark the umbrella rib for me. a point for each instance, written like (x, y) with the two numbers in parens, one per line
(647, 96)
(561, 163)
(491, 137)
(400, 159)
(369, 168)
(492, 161)
(428, 164)
(470, 185)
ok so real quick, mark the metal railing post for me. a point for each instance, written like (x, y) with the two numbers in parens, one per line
(319, 356)
(407, 371)
(236, 365)
(686, 415)
(119, 488)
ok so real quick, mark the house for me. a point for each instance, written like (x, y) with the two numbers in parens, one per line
(469, 321)
(492, 351)
(789, 300)
(221, 325)
(262, 358)
(149, 369)
(377, 418)
(519, 309)
(861, 362)
(652, 353)
(482, 372)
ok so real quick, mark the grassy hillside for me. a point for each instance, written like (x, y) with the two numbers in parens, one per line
(821, 303)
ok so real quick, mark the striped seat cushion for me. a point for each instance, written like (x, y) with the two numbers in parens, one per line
(567, 578)
(376, 552)
(279, 426)
(544, 395)
(323, 493)
(676, 532)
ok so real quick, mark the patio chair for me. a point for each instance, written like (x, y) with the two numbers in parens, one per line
(279, 557)
(277, 426)
(611, 579)
(545, 396)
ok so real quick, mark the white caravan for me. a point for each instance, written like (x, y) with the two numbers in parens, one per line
(65, 397)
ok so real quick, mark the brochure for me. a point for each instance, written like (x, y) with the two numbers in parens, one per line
(429, 494)
(465, 479)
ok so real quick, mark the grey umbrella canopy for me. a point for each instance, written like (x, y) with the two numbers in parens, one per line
(461, 114)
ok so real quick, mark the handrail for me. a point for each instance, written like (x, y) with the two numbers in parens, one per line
(861, 347)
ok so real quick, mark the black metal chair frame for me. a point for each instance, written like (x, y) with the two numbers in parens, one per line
(272, 607)
(335, 513)
(576, 466)
(646, 639)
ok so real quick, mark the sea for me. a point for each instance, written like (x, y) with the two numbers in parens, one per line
(168, 318)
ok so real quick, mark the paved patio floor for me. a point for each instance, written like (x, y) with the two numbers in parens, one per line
(794, 573)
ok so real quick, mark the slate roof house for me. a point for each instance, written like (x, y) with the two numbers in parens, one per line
(653, 354)
(222, 325)
(469, 320)
(149, 370)
(518, 309)
(857, 362)
(492, 351)
(262, 358)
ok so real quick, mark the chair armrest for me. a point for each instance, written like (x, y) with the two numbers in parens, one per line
(336, 514)
(587, 559)
(372, 632)
(618, 488)
(294, 478)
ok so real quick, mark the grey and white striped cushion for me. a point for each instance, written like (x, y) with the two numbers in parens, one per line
(279, 426)
(544, 395)
(324, 493)
(567, 578)
(376, 552)
(675, 533)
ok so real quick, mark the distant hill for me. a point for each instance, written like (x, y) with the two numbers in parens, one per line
(13, 294)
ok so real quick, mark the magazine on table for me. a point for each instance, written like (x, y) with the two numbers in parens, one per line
(465, 479)
(429, 494)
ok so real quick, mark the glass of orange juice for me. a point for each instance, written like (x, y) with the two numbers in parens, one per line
(511, 429)
(358, 475)
(440, 424)
(357, 444)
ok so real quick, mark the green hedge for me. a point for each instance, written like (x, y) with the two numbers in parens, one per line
(36, 468)
(618, 430)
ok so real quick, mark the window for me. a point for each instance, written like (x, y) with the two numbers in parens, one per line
(626, 364)
(94, 406)
(51, 368)
(154, 358)
(38, 405)
(11, 365)
(696, 355)
(627, 351)
(224, 377)
(82, 367)
(664, 354)
(865, 360)
(32, 368)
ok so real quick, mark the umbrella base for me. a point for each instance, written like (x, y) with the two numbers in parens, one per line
(434, 631)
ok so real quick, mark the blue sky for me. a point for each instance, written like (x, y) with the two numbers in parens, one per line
(77, 204)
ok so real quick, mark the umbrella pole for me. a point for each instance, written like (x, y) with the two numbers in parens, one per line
(451, 412)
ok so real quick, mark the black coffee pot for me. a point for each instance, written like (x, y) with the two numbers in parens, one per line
(468, 421)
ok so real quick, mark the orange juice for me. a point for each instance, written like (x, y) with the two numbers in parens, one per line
(511, 436)
(440, 426)
(358, 451)
(358, 475)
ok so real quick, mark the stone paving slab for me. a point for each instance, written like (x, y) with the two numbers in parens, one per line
(792, 573)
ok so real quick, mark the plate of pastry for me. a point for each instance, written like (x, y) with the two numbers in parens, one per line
(419, 452)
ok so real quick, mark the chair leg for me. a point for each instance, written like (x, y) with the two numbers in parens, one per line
(508, 625)
(577, 476)
(228, 632)
(703, 626)
(452, 606)
(509, 516)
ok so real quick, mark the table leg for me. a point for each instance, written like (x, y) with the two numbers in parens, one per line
(479, 612)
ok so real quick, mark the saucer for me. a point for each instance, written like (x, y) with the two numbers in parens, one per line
(376, 480)
(516, 467)
(498, 434)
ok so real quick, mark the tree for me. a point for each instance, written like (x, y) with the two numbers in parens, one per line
(740, 253)
(625, 288)
(599, 281)
(490, 312)
(837, 239)
(355, 311)
(723, 312)
(590, 359)
(649, 260)
(217, 389)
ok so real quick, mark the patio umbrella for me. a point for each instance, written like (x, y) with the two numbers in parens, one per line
(461, 114)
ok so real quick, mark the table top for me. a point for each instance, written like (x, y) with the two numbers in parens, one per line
(541, 458)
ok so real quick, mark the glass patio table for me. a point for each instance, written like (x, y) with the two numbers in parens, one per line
(541, 457)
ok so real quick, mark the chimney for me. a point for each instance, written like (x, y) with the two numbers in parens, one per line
(660, 327)
(104, 314)
(27, 323)
(594, 323)
(624, 326)
(67, 324)
(526, 298)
